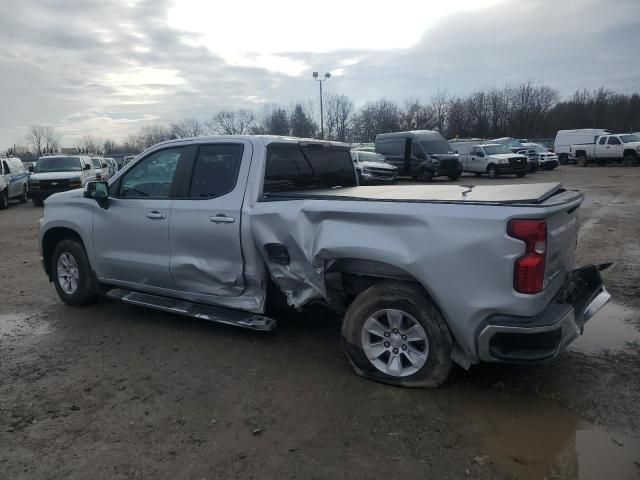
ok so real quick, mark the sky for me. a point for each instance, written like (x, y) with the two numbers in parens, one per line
(105, 68)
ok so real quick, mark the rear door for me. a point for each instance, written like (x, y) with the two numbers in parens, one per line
(131, 236)
(614, 148)
(204, 231)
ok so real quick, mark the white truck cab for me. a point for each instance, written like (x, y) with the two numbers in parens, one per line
(621, 148)
(13, 181)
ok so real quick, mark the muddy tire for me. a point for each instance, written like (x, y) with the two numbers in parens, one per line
(492, 171)
(630, 161)
(37, 202)
(4, 199)
(581, 161)
(24, 197)
(426, 176)
(72, 275)
(393, 334)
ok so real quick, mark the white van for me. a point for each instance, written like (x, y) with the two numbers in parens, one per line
(13, 181)
(581, 136)
(59, 173)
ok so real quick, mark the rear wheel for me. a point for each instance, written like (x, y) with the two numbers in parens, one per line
(630, 161)
(393, 334)
(492, 171)
(4, 199)
(24, 196)
(72, 275)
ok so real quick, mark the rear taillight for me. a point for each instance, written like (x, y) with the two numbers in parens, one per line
(528, 275)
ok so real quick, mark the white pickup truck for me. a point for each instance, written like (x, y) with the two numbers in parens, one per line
(229, 228)
(620, 148)
(494, 159)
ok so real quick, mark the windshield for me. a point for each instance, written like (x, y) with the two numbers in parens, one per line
(58, 164)
(509, 142)
(370, 157)
(630, 138)
(496, 149)
(435, 147)
(96, 163)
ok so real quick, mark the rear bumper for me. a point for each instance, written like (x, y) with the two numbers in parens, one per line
(542, 337)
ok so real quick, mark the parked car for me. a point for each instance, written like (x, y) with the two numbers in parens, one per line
(373, 168)
(422, 154)
(227, 228)
(59, 173)
(619, 148)
(101, 168)
(112, 166)
(494, 159)
(546, 159)
(517, 147)
(566, 138)
(13, 181)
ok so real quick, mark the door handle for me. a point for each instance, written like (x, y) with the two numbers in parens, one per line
(220, 218)
(156, 215)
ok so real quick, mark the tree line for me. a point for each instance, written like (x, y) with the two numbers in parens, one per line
(525, 110)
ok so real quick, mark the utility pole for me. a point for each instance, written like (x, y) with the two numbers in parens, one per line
(320, 80)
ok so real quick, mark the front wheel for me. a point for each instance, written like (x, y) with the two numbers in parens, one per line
(492, 171)
(393, 334)
(630, 161)
(426, 176)
(72, 275)
(4, 199)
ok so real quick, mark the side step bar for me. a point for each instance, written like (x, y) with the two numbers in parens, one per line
(227, 316)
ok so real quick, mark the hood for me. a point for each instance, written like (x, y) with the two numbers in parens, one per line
(380, 165)
(56, 175)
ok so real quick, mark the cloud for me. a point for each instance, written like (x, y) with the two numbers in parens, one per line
(106, 68)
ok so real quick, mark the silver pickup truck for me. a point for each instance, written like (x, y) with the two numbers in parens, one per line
(229, 228)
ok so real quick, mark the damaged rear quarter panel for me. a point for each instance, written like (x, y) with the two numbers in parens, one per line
(460, 254)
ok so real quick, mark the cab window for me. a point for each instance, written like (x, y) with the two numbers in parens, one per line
(153, 176)
(5, 167)
(216, 170)
(614, 141)
(602, 141)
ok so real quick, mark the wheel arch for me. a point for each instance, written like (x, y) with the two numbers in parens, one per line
(51, 239)
(629, 151)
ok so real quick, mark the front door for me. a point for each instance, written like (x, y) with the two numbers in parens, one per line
(131, 236)
(615, 150)
(602, 149)
(205, 226)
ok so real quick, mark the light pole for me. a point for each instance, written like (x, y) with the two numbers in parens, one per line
(320, 80)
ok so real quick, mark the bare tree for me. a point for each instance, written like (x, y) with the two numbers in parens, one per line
(43, 139)
(91, 144)
(440, 107)
(339, 115)
(189, 127)
(152, 134)
(416, 116)
(232, 122)
(109, 146)
(133, 143)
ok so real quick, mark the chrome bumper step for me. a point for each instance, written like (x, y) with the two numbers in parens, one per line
(226, 316)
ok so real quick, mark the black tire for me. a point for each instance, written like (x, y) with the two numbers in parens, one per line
(630, 161)
(426, 176)
(412, 299)
(4, 199)
(86, 291)
(37, 202)
(492, 171)
(25, 196)
(521, 174)
(582, 161)
(563, 159)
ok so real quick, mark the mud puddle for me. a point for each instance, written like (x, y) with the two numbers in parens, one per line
(533, 439)
(611, 329)
(15, 325)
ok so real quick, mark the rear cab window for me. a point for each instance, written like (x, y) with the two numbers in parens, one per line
(294, 168)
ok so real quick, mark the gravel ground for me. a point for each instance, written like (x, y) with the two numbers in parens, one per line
(112, 391)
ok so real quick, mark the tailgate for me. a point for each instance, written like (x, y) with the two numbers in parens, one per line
(562, 236)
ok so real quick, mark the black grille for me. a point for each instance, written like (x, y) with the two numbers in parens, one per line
(54, 183)
(381, 172)
(447, 164)
(517, 162)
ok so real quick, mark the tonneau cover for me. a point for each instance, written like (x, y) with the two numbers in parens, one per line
(530, 193)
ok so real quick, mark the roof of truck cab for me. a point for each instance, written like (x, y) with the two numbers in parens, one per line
(264, 139)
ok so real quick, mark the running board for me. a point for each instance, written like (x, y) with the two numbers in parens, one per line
(227, 316)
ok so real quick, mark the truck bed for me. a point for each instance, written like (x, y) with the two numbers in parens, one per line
(520, 194)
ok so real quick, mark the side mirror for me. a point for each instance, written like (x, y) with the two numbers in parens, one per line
(31, 168)
(87, 166)
(99, 191)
